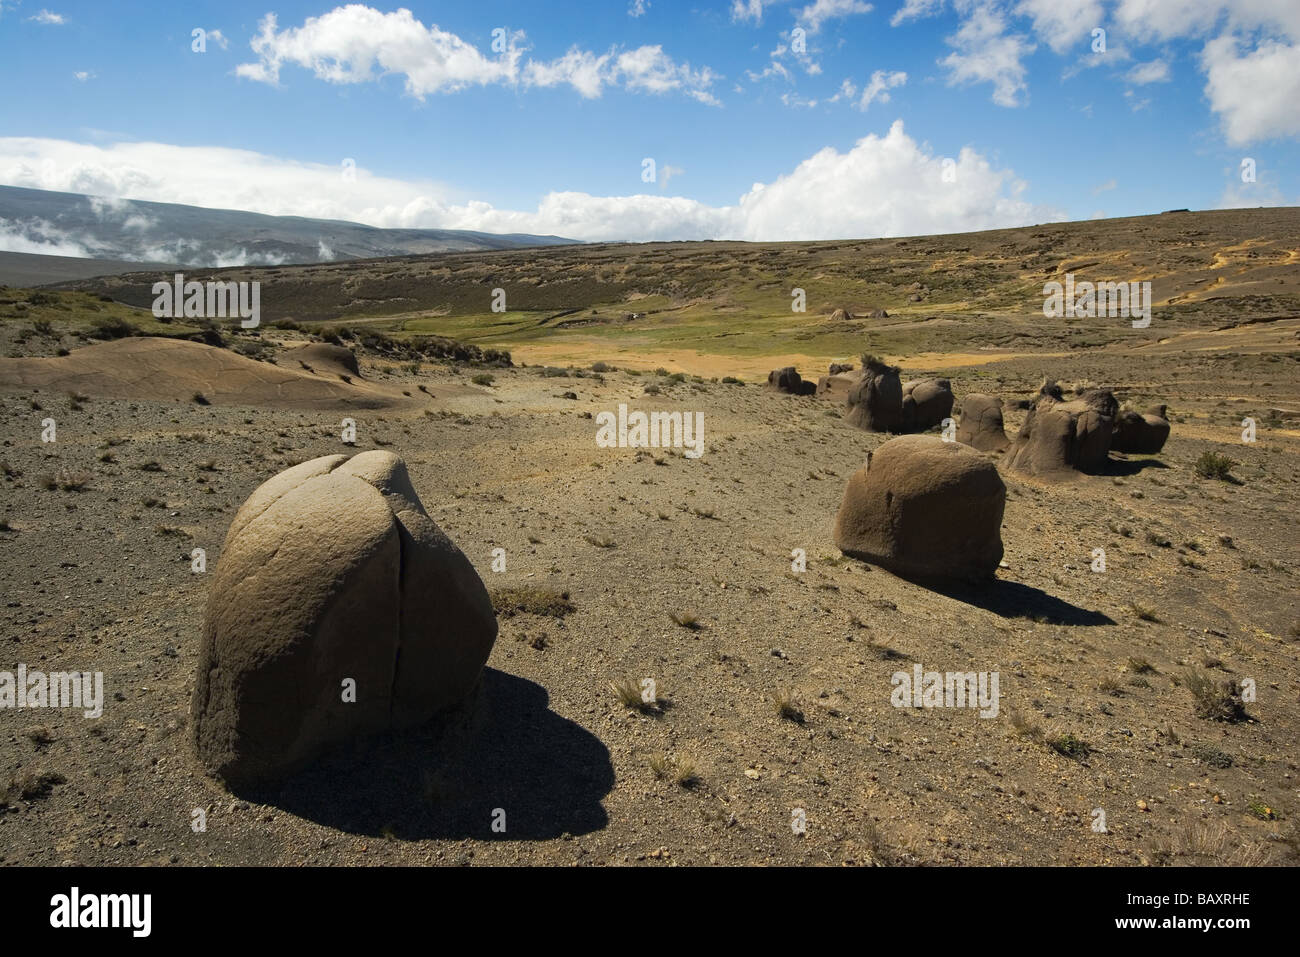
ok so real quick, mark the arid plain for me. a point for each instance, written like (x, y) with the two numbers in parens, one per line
(772, 684)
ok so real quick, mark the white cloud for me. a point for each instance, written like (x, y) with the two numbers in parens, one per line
(358, 44)
(667, 172)
(1135, 103)
(748, 10)
(818, 12)
(1255, 95)
(1104, 187)
(883, 186)
(877, 89)
(84, 75)
(1146, 20)
(347, 44)
(985, 53)
(1156, 71)
(583, 70)
(916, 10)
(45, 16)
(638, 8)
(219, 38)
(1062, 23)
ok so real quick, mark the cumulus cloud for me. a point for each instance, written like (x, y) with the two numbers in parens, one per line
(886, 185)
(49, 18)
(983, 52)
(1254, 94)
(359, 44)
(638, 8)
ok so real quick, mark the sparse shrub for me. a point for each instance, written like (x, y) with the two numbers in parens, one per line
(1069, 746)
(1211, 756)
(201, 399)
(110, 327)
(1212, 465)
(482, 378)
(686, 620)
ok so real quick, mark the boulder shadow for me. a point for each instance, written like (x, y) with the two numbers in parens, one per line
(1126, 466)
(503, 756)
(1010, 599)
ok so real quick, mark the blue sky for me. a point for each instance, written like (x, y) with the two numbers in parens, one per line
(847, 138)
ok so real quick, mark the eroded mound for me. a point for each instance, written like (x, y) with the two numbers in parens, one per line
(173, 370)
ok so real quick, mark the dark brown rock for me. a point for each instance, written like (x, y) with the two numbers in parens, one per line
(925, 509)
(981, 426)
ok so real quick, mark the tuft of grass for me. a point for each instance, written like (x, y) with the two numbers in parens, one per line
(1215, 700)
(530, 600)
(151, 466)
(1144, 613)
(629, 695)
(201, 399)
(1140, 666)
(686, 620)
(65, 480)
(786, 705)
(1025, 725)
(482, 378)
(685, 775)
(1261, 810)
(600, 542)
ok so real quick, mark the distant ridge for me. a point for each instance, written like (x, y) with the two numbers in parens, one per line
(72, 225)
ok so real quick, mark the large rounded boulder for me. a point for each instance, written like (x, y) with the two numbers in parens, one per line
(1060, 439)
(926, 403)
(875, 401)
(981, 426)
(337, 609)
(1141, 433)
(924, 509)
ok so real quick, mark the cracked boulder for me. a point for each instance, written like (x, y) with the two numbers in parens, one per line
(981, 425)
(337, 609)
(926, 403)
